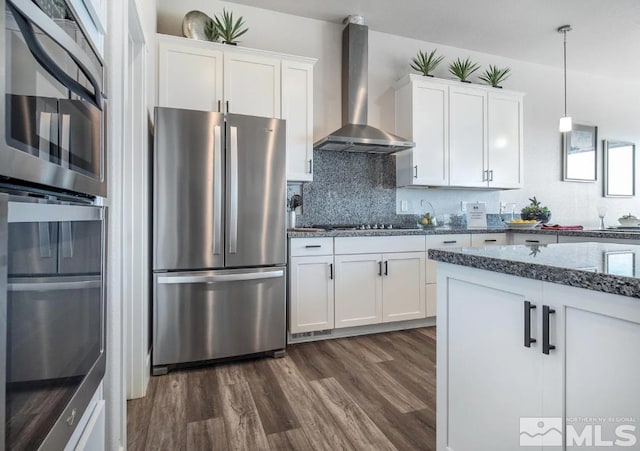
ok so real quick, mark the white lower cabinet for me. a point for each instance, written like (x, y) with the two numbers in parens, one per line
(375, 288)
(403, 286)
(491, 378)
(358, 285)
(311, 293)
(494, 390)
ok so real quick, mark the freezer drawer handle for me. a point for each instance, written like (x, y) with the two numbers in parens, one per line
(220, 277)
(54, 286)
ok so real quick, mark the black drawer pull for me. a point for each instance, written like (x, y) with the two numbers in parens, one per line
(490, 241)
(528, 306)
(312, 246)
(331, 271)
(380, 268)
(450, 242)
(386, 268)
(531, 241)
(546, 346)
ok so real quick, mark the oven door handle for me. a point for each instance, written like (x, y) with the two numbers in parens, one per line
(54, 285)
(46, 61)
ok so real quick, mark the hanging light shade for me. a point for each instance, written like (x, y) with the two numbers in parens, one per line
(565, 122)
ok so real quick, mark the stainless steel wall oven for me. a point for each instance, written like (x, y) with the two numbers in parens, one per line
(52, 302)
(53, 108)
(52, 230)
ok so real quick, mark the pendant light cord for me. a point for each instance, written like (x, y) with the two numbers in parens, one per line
(565, 72)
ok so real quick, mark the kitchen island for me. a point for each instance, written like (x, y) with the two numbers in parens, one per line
(538, 344)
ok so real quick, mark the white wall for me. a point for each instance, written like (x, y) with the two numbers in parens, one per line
(613, 105)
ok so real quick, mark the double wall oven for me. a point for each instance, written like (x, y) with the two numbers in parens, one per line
(52, 224)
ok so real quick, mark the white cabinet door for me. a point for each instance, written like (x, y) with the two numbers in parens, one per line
(403, 286)
(251, 84)
(422, 116)
(297, 110)
(594, 363)
(310, 293)
(189, 76)
(493, 379)
(467, 137)
(505, 140)
(358, 290)
(533, 238)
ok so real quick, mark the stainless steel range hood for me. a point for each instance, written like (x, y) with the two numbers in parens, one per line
(356, 135)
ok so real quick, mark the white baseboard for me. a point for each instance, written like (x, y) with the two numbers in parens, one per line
(364, 330)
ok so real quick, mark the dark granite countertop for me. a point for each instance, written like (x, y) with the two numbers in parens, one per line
(609, 233)
(606, 267)
(391, 232)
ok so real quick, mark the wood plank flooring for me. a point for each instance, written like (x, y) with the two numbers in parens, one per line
(374, 392)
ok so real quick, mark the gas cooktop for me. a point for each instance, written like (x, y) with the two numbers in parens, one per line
(363, 226)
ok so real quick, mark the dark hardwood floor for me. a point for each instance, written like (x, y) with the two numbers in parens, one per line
(375, 392)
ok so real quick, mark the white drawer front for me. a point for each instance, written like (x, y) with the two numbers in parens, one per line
(300, 247)
(533, 238)
(452, 240)
(488, 239)
(379, 244)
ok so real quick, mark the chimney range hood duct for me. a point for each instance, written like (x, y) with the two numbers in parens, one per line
(356, 135)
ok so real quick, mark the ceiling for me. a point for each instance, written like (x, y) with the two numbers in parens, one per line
(605, 39)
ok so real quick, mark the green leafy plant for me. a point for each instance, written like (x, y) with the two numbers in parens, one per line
(228, 28)
(425, 63)
(494, 75)
(211, 31)
(463, 69)
(536, 211)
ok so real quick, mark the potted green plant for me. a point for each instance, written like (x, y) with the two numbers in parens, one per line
(229, 30)
(494, 75)
(463, 69)
(425, 63)
(211, 31)
(536, 211)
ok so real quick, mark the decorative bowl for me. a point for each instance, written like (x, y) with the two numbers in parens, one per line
(628, 221)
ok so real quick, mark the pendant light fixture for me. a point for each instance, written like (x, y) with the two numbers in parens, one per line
(565, 122)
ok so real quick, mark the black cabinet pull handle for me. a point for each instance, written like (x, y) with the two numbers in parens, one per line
(331, 271)
(310, 166)
(386, 267)
(528, 306)
(380, 268)
(310, 246)
(490, 241)
(227, 106)
(219, 106)
(531, 241)
(415, 174)
(546, 346)
(450, 242)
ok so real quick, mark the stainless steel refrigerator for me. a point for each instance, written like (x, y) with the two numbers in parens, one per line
(219, 238)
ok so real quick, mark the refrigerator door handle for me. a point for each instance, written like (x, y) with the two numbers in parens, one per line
(217, 189)
(233, 194)
(175, 279)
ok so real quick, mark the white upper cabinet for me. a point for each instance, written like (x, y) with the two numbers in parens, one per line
(505, 140)
(251, 84)
(297, 110)
(422, 116)
(466, 135)
(208, 76)
(189, 76)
